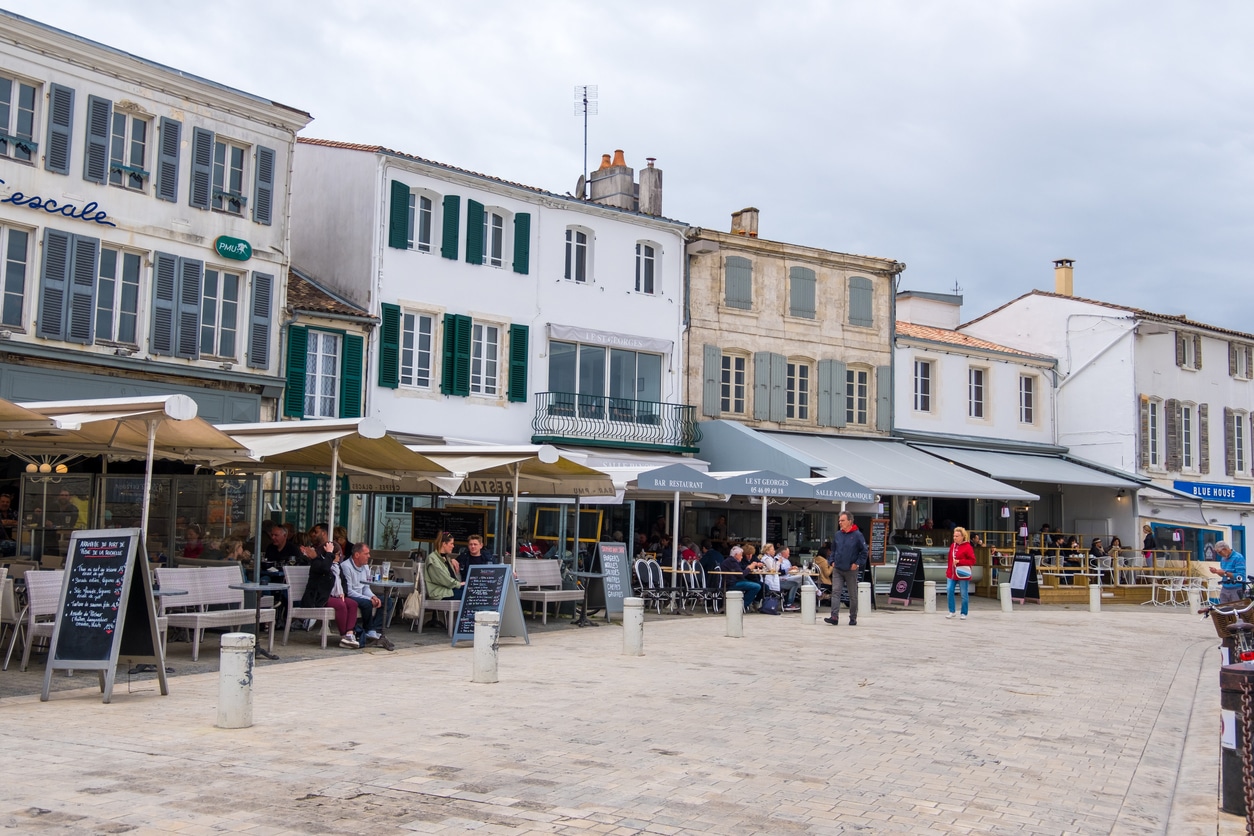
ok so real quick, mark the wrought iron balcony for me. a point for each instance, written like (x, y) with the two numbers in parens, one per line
(565, 417)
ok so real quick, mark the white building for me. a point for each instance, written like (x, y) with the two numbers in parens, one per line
(143, 222)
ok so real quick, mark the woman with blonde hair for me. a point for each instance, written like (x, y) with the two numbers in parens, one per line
(959, 569)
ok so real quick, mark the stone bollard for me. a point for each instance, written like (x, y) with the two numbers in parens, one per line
(633, 626)
(864, 598)
(929, 596)
(1003, 592)
(1095, 598)
(487, 629)
(809, 603)
(1195, 598)
(735, 613)
(235, 681)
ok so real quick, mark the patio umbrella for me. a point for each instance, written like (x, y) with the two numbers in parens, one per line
(764, 484)
(679, 479)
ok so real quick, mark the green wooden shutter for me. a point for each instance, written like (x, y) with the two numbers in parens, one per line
(352, 355)
(450, 231)
(522, 243)
(474, 232)
(60, 127)
(202, 168)
(263, 186)
(883, 398)
(778, 410)
(455, 370)
(168, 159)
(712, 377)
(96, 158)
(398, 217)
(297, 356)
(390, 347)
(518, 363)
(54, 284)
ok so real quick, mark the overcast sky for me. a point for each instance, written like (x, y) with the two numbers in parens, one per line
(974, 140)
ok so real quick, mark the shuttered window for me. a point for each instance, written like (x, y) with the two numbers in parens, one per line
(399, 217)
(831, 393)
(1203, 438)
(260, 321)
(176, 300)
(450, 226)
(390, 346)
(883, 398)
(455, 357)
(738, 283)
(474, 232)
(352, 360)
(168, 138)
(202, 168)
(60, 126)
(801, 292)
(522, 243)
(518, 337)
(297, 356)
(324, 374)
(1174, 447)
(67, 296)
(96, 157)
(711, 374)
(861, 302)
(263, 185)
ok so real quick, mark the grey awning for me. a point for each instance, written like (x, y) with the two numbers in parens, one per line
(1029, 467)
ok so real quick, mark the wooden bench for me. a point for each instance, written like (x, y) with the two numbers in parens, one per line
(542, 583)
(207, 587)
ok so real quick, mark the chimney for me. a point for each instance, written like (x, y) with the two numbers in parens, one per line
(745, 222)
(651, 189)
(1063, 277)
(613, 184)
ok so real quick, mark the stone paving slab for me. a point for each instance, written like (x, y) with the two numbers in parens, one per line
(1050, 720)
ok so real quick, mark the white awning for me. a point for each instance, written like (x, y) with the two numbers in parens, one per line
(487, 470)
(1029, 467)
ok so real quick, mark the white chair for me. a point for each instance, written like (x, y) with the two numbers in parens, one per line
(1177, 593)
(43, 594)
(449, 606)
(297, 578)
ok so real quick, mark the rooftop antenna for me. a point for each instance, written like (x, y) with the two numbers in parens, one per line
(957, 291)
(585, 103)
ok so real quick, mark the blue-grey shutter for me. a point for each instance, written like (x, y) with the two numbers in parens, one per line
(81, 308)
(883, 398)
(861, 298)
(202, 168)
(398, 216)
(779, 385)
(164, 283)
(522, 243)
(54, 285)
(738, 283)
(259, 324)
(712, 378)
(831, 393)
(449, 232)
(761, 385)
(297, 358)
(801, 284)
(96, 158)
(187, 309)
(474, 232)
(263, 186)
(60, 126)
(352, 356)
(168, 159)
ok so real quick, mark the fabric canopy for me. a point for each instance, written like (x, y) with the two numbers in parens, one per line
(487, 470)
(763, 483)
(678, 478)
(1029, 467)
(841, 489)
(352, 444)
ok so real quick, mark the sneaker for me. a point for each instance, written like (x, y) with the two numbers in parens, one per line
(347, 640)
(793, 608)
(962, 617)
(853, 622)
(951, 615)
(371, 635)
(369, 642)
(385, 643)
(832, 621)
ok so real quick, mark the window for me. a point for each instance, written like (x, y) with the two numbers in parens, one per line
(576, 254)
(128, 151)
(1155, 421)
(801, 291)
(219, 313)
(646, 262)
(922, 386)
(630, 380)
(228, 178)
(1186, 437)
(15, 246)
(798, 392)
(421, 222)
(17, 119)
(861, 302)
(1237, 442)
(1188, 350)
(975, 393)
(484, 348)
(857, 394)
(738, 283)
(1240, 361)
(1027, 399)
(416, 332)
(493, 239)
(117, 296)
(322, 375)
(733, 384)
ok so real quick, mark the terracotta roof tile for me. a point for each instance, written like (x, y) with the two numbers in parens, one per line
(956, 338)
(304, 295)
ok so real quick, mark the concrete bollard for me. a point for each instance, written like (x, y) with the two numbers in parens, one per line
(809, 603)
(487, 629)
(735, 613)
(633, 626)
(1095, 598)
(1212, 588)
(235, 681)
(1003, 593)
(864, 598)
(929, 596)
(1195, 598)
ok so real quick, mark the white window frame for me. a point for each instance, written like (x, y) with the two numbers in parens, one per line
(414, 235)
(115, 311)
(1243, 369)
(1239, 442)
(18, 127)
(128, 164)
(733, 380)
(326, 346)
(219, 309)
(977, 393)
(15, 270)
(1028, 398)
(573, 271)
(798, 390)
(485, 358)
(222, 195)
(858, 396)
(1190, 352)
(496, 236)
(1155, 422)
(417, 362)
(648, 260)
(923, 378)
(1187, 416)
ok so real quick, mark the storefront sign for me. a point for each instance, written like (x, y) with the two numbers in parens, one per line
(234, 248)
(90, 212)
(1218, 493)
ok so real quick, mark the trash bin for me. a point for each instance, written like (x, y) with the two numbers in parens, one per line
(1233, 681)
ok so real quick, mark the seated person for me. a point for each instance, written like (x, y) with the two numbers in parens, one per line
(474, 555)
(8, 526)
(233, 549)
(320, 538)
(734, 563)
(687, 549)
(790, 579)
(325, 589)
(441, 571)
(193, 545)
(710, 556)
(822, 562)
(340, 536)
(281, 552)
(355, 576)
(1071, 558)
(212, 549)
(770, 571)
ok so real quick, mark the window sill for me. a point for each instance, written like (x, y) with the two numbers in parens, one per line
(730, 310)
(791, 317)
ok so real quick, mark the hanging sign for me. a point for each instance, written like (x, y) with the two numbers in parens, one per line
(236, 249)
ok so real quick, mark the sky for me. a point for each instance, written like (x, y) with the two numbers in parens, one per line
(974, 140)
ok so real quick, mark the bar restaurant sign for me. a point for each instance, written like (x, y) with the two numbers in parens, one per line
(1215, 492)
(234, 248)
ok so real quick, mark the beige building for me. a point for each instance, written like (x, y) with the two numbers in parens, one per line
(787, 337)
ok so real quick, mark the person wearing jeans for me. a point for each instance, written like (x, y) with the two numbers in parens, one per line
(732, 564)
(960, 554)
(355, 574)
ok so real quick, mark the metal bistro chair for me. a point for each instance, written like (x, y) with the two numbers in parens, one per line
(649, 591)
(708, 596)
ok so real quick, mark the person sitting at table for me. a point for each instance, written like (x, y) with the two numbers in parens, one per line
(822, 562)
(193, 545)
(355, 575)
(340, 536)
(710, 556)
(213, 549)
(770, 571)
(687, 549)
(8, 526)
(1071, 558)
(441, 571)
(281, 552)
(233, 549)
(325, 589)
(736, 565)
(790, 580)
(474, 555)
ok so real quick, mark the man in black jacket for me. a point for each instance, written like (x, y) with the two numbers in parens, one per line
(849, 555)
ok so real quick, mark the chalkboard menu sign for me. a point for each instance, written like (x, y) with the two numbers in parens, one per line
(106, 605)
(774, 529)
(879, 541)
(1023, 583)
(908, 579)
(610, 590)
(427, 523)
(489, 587)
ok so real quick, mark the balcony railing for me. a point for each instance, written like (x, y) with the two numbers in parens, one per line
(614, 422)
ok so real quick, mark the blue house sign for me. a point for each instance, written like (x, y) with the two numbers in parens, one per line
(1215, 492)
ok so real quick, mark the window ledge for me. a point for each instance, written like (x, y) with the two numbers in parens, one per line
(730, 310)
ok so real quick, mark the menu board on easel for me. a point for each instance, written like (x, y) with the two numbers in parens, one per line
(879, 541)
(614, 584)
(490, 587)
(908, 578)
(1023, 584)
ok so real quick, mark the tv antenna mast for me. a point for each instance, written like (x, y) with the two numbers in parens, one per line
(585, 103)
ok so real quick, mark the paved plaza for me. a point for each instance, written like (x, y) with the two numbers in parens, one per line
(1049, 720)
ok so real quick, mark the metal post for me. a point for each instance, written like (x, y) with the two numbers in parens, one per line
(235, 681)
(929, 596)
(1003, 592)
(633, 626)
(487, 629)
(809, 603)
(735, 614)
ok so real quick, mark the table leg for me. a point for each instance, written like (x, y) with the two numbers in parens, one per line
(583, 620)
(257, 631)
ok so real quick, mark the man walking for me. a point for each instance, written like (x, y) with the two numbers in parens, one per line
(849, 555)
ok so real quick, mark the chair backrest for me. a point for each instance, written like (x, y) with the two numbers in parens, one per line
(641, 571)
(297, 578)
(206, 585)
(8, 603)
(404, 573)
(18, 568)
(43, 593)
(655, 574)
(539, 573)
(52, 561)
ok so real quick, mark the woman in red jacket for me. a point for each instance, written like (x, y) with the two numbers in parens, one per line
(960, 554)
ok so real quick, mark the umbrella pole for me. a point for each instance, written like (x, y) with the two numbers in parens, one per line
(143, 514)
(675, 537)
(335, 468)
(762, 545)
(513, 521)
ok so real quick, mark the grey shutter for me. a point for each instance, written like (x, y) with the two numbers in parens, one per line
(54, 285)
(1233, 348)
(801, 296)
(883, 398)
(823, 392)
(1197, 351)
(861, 302)
(474, 232)
(202, 168)
(60, 127)
(81, 310)
(1179, 349)
(1249, 361)
(263, 186)
(779, 385)
(164, 281)
(1175, 443)
(761, 385)
(738, 283)
(259, 324)
(1144, 446)
(96, 157)
(168, 159)
(831, 393)
(1230, 444)
(1203, 438)
(712, 374)
(187, 309)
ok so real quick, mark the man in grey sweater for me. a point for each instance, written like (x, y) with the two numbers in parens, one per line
(355, 574)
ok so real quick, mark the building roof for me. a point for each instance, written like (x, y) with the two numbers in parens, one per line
(567, 198)
(304, 294)
(959, 340)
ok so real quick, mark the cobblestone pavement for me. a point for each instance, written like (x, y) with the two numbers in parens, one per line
(1050, 720)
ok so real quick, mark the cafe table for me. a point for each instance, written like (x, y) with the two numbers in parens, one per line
(257, 589)
(391, 593)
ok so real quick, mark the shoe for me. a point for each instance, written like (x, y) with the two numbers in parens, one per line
(853, 622)
(309, 624)
(371, 635)
(951, 615)
(348, 640)
(962, 617)
(792, 608)
(832, 621)
(369, 642)
(385, 643)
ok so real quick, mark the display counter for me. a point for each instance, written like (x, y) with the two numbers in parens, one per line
(935, 559)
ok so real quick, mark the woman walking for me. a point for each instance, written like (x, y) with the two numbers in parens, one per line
(958, 571)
